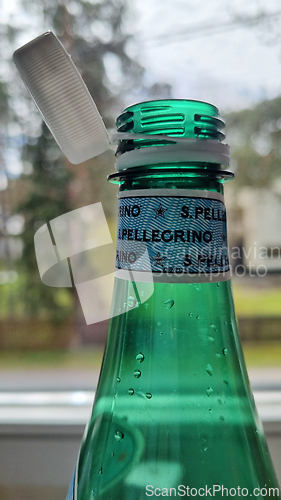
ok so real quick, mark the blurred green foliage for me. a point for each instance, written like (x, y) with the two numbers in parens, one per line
(94, 35)
(255, 138)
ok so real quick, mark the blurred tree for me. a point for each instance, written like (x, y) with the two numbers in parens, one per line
(7, 117)
(255, 137)
(46, 198)
(93, 33)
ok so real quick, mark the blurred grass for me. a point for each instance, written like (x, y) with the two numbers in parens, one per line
(249, 302)
(262, 354)
(257, 301)
(89, 358)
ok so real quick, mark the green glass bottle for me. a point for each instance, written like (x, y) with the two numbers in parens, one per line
(173, 414)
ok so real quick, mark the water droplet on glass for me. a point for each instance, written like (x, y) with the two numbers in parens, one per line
(218, 284)
(161, 333)
(100, 471)
(131, 392)
(119, 435)
(222, 417)
(118, 380)
(225, 322)
(218, 355)
(148, 395)
(225, 382)
(137, 373)
(112, 454)
(140, 357)
(210, 410)
(211, 339)
(146, 305)
(190, 315)
(205, 449)
(198, 317)
(209, 391)
(209, 369)
(159, 323)
(197, 287)
(131, 301)
(213, 327)
(224, 351)
(124, 305)
(169, 303)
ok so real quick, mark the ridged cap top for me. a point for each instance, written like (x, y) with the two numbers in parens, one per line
(173, 117)
(196, 124)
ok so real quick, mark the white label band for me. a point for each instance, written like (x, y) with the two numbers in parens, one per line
(177, 235)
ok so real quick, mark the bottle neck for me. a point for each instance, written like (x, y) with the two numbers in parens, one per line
(187, 175)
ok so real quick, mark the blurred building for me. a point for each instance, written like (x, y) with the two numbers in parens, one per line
(255, 224)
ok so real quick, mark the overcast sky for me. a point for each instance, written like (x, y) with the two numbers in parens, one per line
(199, 48)
(196, 48)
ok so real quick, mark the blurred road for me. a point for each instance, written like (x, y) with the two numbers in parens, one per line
(48, 380)
(265, 378)
(67, 380)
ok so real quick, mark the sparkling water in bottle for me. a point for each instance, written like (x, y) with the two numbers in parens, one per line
(174, 415)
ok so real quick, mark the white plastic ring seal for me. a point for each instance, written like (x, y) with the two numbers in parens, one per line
(183, 150)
